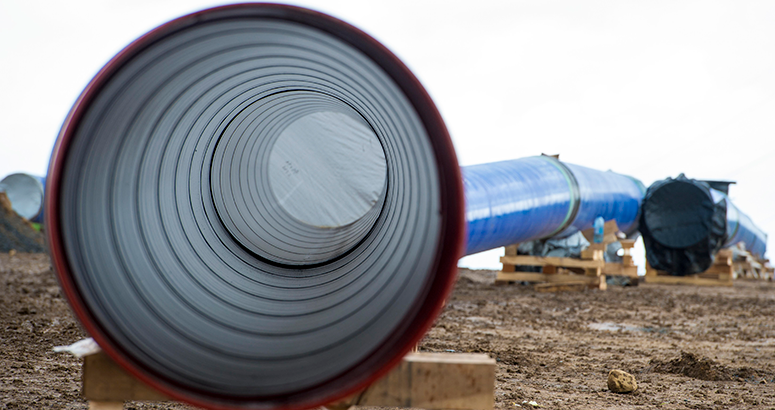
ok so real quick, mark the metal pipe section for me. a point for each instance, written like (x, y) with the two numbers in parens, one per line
(25, 192)
(685, 222)
(540, 197)
(210, 258)
(741, 229)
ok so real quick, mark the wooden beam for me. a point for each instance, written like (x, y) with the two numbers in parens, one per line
(460, 381)
(511, 250)
(720, 269)
(105, 381)
(106, 405)
(610, 229)
(620, 269)
(688, 280)
(541, 277)
(561, 287)
(526, 260)
(594, 251)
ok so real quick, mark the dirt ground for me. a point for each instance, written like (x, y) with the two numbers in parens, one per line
(688, 347)
(16, 233)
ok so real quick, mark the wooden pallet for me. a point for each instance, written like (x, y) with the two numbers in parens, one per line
(610, 235)
(767, 272)
(747, 266)
(554, 270)
(627, 267)
(562, 274)
(721, 273)
(461, 381)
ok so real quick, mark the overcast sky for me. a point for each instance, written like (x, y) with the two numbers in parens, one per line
(649, 89)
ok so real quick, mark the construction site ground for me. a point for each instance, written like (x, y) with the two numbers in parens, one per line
(688, 347)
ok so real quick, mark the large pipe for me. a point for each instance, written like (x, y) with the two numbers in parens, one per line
(540, 197)
(189, 230)
(685, 222)
(25, 192)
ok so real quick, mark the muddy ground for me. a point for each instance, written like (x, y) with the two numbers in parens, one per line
(688, 347)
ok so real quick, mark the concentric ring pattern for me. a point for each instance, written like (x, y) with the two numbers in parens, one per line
(242, 187)
(172, 250)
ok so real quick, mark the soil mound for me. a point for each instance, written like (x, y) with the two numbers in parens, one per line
(16, 233)
(702, 368)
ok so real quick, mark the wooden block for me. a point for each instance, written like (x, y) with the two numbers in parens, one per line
(627, 244)
(561, 287)
(566, 271)
(596, 247)
(593, 252)
(723, 257)
(106, 405)
(105, 381)
(511, 250)
(433, 381)
(509, 268)
(540, 277)
(610, 238)
(601, 285)
(725, 277)
(548, 260)
(686, 280)
(720, 269)
(594, 271)
(549, 269)
(587, 254)
(425, 380)
(610, 228)
(620, 269)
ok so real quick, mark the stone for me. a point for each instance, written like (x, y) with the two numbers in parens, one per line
(621, 382)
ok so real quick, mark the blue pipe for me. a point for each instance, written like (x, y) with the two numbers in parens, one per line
(741, 229)
(540, 197)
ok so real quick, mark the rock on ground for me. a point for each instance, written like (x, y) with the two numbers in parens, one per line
(621, 382)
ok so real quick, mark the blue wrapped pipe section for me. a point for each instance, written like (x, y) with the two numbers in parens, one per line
(608, 194)
(25, 192)
(540, 197)
(741, 229)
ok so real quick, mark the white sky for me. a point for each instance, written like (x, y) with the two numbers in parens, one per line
(649, 89)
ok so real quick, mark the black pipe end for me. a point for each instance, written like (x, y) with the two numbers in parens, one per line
(682, 226)
(678, 213)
